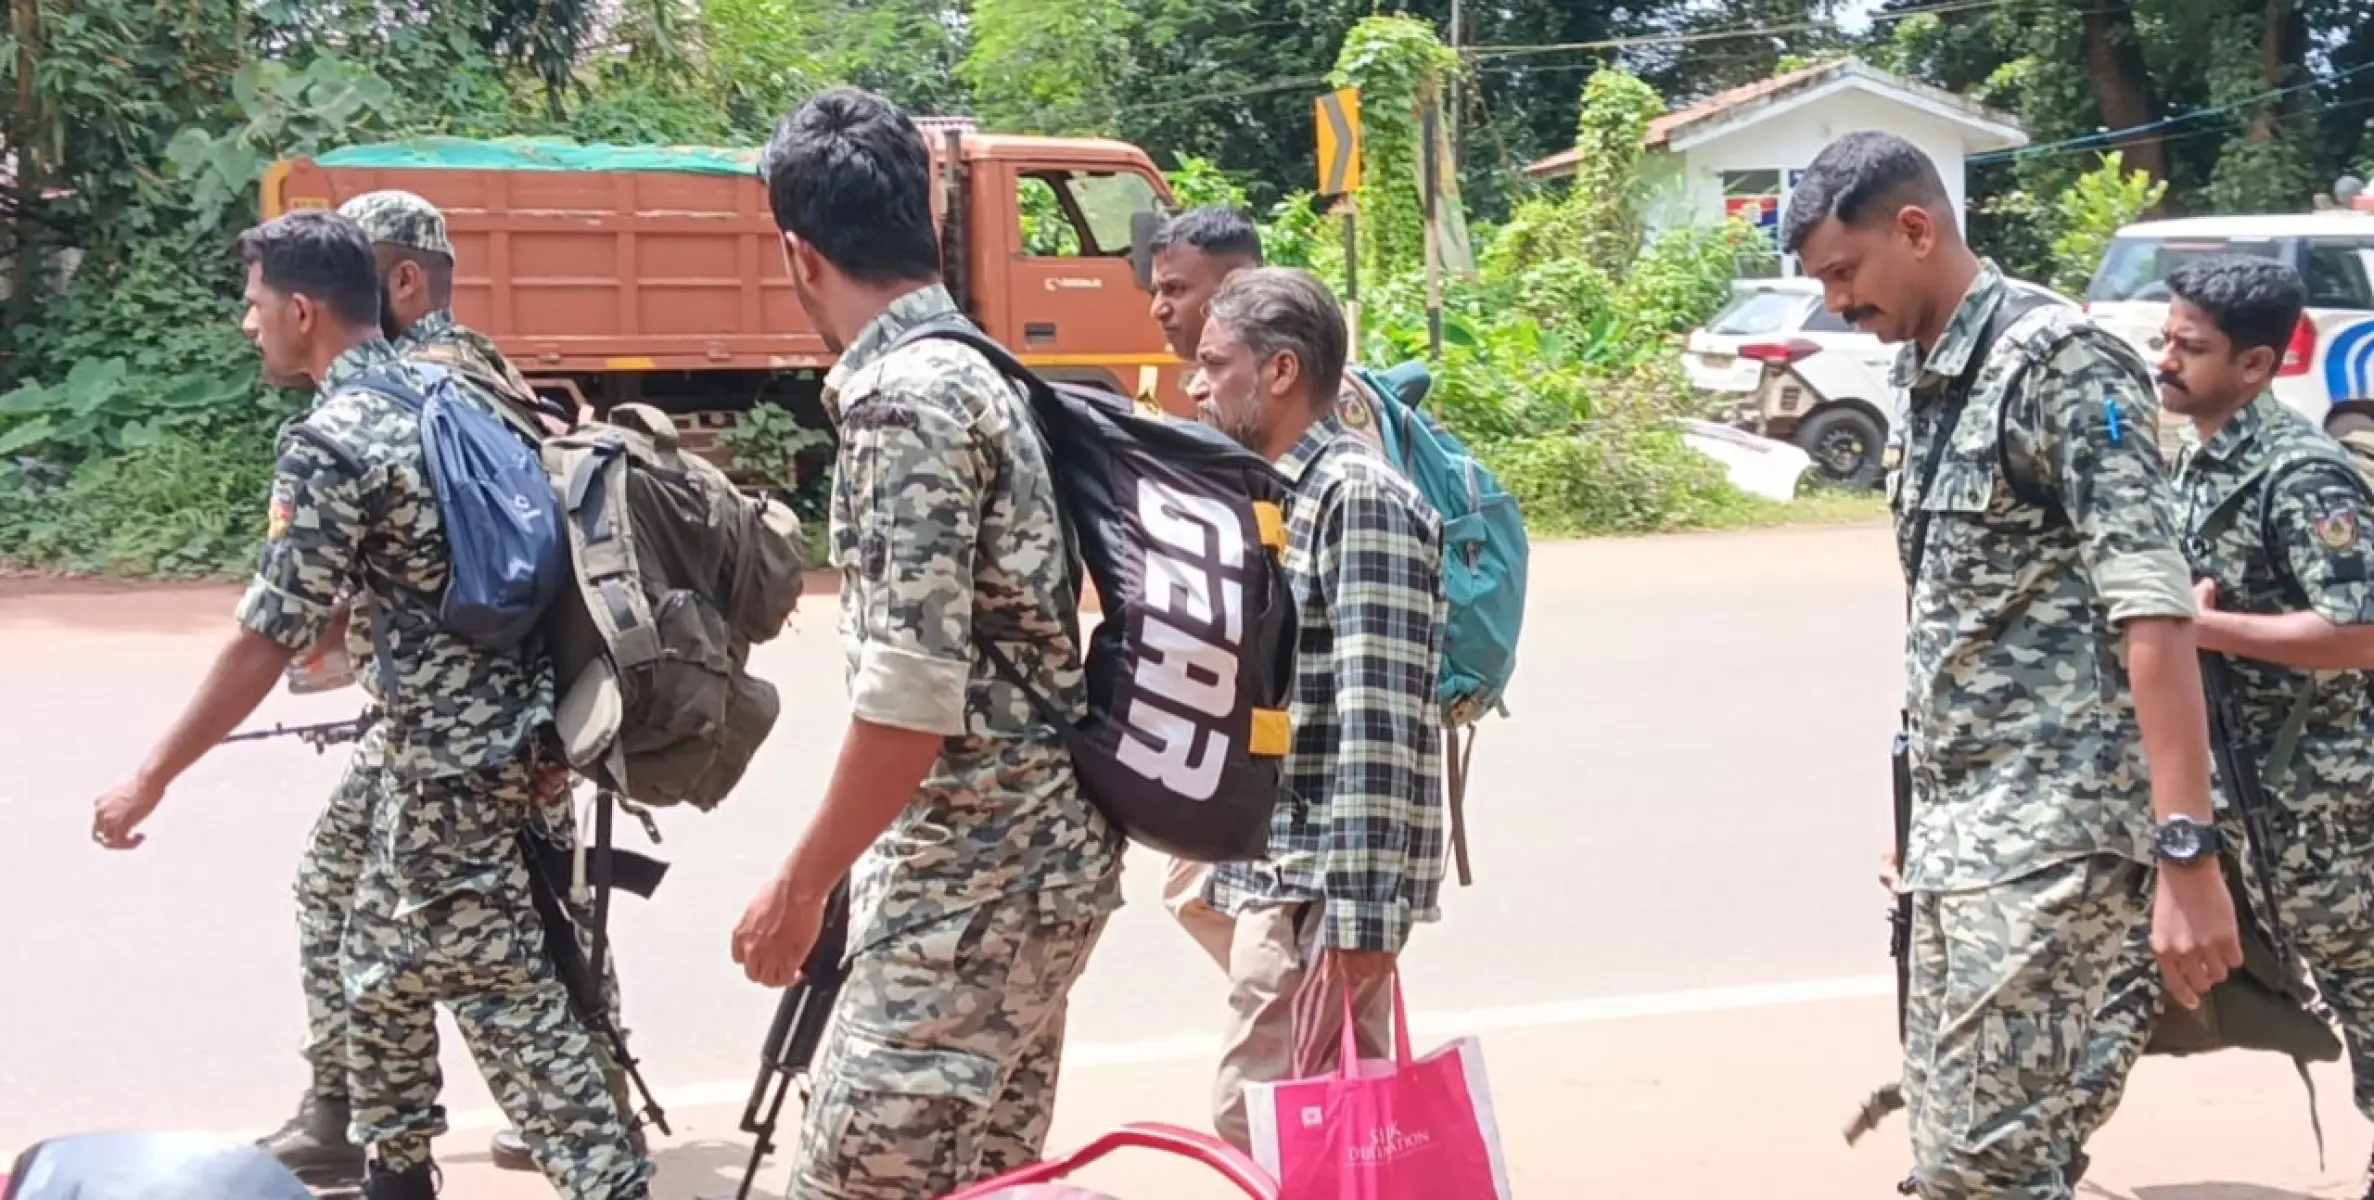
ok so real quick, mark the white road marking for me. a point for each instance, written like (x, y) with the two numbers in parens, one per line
(1423, 1026)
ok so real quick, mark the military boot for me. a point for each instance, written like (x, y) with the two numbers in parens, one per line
(510, 1151)
(313, 1144)
(418, 1182)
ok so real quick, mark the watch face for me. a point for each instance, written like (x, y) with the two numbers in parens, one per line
(2180, 840)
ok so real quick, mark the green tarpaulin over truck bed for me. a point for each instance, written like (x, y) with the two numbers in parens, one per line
(540, 154)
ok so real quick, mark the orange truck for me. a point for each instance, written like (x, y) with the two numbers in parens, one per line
(614, 274)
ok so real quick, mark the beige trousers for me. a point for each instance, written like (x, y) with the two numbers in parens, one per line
(1286, 1013)
(1182, 894)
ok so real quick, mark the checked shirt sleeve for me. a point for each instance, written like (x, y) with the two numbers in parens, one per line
(1378, 563)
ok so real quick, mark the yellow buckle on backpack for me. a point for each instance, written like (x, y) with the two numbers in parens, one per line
(1272, 520)
(1272, 733)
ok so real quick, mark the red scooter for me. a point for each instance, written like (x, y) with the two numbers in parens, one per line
(1036, 1182)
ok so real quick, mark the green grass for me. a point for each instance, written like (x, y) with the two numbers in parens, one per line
(1813, 507)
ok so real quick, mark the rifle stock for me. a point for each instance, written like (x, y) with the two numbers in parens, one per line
(548, 885)
(1900, 921)
(797, 1032)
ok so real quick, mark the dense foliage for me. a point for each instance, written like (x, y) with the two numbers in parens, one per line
(132, 423)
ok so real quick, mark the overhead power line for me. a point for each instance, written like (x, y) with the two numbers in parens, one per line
(2088, 141)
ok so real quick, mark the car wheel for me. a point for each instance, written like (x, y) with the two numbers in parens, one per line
(1846, 444)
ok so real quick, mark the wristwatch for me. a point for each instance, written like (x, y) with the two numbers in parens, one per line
(2182, 841)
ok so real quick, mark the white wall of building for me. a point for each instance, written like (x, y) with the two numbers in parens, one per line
(1689, 185)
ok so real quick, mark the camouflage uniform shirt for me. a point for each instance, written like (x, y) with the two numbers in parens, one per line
(351, 502)
(2025, 746)
(2278, 516)
(438, 338)
(946, 533)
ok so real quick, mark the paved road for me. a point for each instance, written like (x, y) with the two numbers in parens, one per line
(1673, 836)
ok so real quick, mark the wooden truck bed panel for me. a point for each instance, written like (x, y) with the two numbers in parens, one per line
(584, 271)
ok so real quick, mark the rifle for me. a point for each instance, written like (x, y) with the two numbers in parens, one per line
(792, 1041)
(2242, 775)
(1890, 1097)
(550, 868)
(320, 736)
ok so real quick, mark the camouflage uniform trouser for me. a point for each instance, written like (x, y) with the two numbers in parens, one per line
(326, 878)
(940, 1067)
(2006, 981)
(443, 914)
(2324, 885)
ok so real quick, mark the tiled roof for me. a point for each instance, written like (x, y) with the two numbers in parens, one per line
(1664, 129)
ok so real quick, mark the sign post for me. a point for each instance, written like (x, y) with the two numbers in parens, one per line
(1338, 124)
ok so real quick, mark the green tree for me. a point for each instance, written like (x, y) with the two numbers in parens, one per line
(1048, 66)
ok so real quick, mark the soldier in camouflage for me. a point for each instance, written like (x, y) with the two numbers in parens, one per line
(981, 876)
(416, 267)
(2279, 527)
(2052, 697)
(415, 262)
(441, 911)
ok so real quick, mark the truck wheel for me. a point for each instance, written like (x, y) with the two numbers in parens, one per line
(1846, 444)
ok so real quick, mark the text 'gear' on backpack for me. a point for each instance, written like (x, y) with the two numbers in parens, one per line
(1484, 555)
(1188, 675)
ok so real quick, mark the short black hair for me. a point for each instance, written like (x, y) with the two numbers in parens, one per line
(1218, 230)
(438, 268)
(849, 174)
(1853, 177)
(2254, 301)
(321, 255)
(1280, 310)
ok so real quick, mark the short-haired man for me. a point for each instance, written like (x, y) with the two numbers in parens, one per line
(989, 875)
(1356, 856)
(441, 912)
(2053, 705)
(1193, 254)
(2279, 528)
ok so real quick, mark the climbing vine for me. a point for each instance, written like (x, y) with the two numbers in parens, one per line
(1399, 65)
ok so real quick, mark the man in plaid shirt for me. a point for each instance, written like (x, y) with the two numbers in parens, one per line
(1356, 851)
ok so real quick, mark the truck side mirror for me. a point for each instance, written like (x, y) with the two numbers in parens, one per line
(1142, 228)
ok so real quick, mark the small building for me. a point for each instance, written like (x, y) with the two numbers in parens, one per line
(1741, 151)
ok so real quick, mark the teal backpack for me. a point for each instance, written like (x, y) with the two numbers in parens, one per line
(1484, 551)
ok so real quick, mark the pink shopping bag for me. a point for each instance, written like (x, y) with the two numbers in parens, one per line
(1399, 1129)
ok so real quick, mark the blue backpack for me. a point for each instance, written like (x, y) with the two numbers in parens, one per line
(1484, 552)
(502, 521)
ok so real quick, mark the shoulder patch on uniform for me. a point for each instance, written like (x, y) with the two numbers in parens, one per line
(2337, 529)
(277, 513)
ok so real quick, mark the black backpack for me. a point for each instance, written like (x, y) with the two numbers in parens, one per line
(1183, 532)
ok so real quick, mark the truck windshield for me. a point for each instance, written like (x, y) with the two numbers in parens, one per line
(1107, 202)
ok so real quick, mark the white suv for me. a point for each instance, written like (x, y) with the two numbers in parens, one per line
(1787, 368)
(2328, 369)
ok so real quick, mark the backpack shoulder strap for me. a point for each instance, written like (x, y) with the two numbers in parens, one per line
(2017, 305)
(2013, 306)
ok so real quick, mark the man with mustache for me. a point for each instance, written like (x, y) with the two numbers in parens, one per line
(2279, 528)
(2055, 731)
